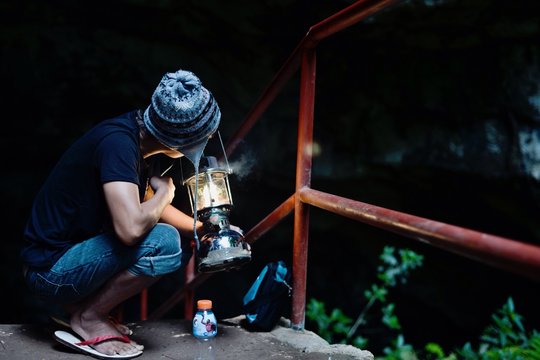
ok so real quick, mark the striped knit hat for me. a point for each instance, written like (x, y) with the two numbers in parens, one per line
(183, 113)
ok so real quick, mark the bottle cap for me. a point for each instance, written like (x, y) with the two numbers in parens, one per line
(204, 304)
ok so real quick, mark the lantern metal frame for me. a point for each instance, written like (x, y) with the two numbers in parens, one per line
(221, 247)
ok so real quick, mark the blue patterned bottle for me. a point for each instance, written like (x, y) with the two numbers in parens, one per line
(204, 321)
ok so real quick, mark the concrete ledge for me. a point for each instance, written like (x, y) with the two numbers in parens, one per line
(307, 341)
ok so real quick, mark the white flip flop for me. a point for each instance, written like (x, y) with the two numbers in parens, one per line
(75, 343)
(123, 329)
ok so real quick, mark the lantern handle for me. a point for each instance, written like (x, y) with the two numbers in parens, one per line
(229, 170)
(167, 169)
(182, 172)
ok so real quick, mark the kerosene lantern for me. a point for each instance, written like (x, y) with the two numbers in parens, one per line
(221, 247)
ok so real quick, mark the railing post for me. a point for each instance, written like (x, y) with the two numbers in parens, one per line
(144, 304)
(189, 292)
(303, 179)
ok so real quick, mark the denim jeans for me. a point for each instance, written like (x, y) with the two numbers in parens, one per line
(88, 265)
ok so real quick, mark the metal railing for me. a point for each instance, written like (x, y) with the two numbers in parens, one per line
(511, 255)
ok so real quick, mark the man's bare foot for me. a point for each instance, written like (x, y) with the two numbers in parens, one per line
(89, 326)
(123, 329)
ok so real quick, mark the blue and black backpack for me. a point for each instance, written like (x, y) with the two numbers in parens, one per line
(267, 299)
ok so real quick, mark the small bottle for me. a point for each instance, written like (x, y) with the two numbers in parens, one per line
(204, 321)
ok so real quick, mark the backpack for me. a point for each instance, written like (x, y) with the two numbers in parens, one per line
(265, 302)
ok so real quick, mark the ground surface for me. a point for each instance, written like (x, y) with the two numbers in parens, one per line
(172, 339)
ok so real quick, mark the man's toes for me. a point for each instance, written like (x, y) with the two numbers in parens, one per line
(123, 329)
(128, 349)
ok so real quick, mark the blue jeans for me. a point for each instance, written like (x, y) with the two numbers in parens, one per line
(86, 266)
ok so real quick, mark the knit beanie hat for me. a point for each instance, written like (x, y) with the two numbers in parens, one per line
(183, 113)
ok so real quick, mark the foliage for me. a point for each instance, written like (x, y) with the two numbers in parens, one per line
(395, 267)
(505, 338)
(399, 350)
(330, 326)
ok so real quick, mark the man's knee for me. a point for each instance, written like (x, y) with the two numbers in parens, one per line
(166, 237)
(163, 252)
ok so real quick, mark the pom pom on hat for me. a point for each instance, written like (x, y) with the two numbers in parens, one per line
(183, 113)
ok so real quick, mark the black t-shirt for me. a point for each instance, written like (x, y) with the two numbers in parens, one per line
(70, 207)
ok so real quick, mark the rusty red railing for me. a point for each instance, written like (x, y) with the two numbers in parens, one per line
(511, 255)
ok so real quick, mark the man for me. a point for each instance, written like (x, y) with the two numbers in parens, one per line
(101, 229)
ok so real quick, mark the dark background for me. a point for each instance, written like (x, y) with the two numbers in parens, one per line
(430, 107)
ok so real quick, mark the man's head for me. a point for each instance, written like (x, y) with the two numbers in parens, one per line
(183, 113)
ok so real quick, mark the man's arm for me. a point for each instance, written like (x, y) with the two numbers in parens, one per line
(181, 221)
(177, 218)
(131, 218)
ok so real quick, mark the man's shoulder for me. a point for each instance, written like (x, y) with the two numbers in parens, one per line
(127, 119)
(124, 123)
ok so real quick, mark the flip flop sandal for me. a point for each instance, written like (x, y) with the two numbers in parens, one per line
(119, 326)
(84, 347)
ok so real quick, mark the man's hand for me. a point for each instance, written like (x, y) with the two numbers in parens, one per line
(237, 229)
(163, 183)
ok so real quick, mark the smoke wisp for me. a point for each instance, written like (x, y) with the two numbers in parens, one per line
(243, 166)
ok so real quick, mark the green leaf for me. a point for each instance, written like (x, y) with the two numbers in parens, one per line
(389, 319)
(379, 292)
(510, 304)
(360, 342)
(434, 349)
